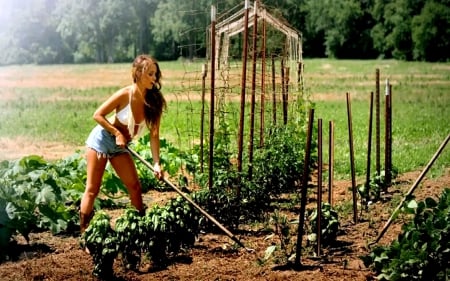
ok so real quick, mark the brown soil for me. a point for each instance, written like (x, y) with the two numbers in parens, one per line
(19, 147)
(50, 257)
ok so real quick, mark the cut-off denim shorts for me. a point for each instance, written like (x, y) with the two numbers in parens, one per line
(104, 143)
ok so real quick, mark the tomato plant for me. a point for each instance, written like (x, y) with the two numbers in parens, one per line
(163, 231)
(103, 245)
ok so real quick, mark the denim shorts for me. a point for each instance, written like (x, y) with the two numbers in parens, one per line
(104, 143)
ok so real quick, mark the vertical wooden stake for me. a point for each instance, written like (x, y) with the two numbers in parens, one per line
(369, 142)
(274, 94)
(211, 109)
(319, 189)
(352, 159)
(377, 121)
(304, 191)
(253, 93)
(331, 163)
(243, 85)
(202, 115)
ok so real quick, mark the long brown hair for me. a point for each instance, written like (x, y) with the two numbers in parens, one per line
(154, 100)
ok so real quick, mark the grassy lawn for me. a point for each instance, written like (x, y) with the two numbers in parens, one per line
(56, 102)
(420, 102)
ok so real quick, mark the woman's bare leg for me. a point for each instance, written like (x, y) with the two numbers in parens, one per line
(125, 168)
(95, 169)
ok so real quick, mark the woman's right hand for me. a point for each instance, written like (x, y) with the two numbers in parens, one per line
(121, 140)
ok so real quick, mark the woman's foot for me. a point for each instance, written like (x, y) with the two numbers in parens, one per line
(85, 219)
(84, 223)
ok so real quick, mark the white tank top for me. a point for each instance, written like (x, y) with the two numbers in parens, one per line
(125, 116)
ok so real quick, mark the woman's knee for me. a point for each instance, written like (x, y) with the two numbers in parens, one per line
(134, 188)
(91, 192)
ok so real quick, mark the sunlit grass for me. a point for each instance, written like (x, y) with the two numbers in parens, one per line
(56, 102)
(420, 118)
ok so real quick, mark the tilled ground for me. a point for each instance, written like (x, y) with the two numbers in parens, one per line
(214, 256)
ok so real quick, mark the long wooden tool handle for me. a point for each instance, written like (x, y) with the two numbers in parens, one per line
(211, 218)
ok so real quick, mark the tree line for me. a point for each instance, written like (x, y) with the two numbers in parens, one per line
(84, 31)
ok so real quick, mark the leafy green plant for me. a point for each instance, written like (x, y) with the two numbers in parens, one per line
(422, 250)
(329, 225)
(283, 230)
(221, 203)
(130, 230)
(159, 234)
(6, 231)
(103, 245)
(169, 229)
(34, 196)
(174, 161)
(370, 192)
(278, 166)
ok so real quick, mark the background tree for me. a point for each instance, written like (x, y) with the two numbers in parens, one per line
(297, 11)
(144, 11)
(180, 25)
(345, 27)
(29, 35)
(67, 31)
(97, 30)
(115, 31)
(431, 32)
(411, 29)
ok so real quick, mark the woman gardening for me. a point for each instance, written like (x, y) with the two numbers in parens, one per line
(136, 106)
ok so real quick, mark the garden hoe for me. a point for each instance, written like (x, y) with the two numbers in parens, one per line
(227, 232)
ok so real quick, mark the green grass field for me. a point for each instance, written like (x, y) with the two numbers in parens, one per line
(420, 114)
(55, 103)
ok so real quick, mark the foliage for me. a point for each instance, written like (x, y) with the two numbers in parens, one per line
(6, 231)
(160, 233)
(284, 251)
(147, 177)
(113, 31)
(422, 250)
(336, 20)
(102, 243)
(278, 166)
(130, 230)
(221, 203)
(283, 230)
(180, 22)
(430, 31)
(406, 30)
(329, 225)
(370, 192)
(169, 229)
(221, 199)
(36, 195)
(175, 162)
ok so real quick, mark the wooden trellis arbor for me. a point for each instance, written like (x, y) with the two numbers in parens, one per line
(282, 85)
(235, 24)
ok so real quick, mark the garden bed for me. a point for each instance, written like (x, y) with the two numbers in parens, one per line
(214, 255)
